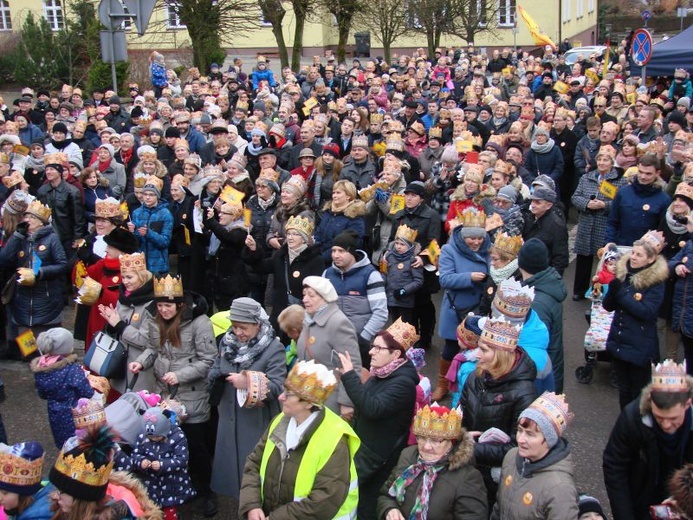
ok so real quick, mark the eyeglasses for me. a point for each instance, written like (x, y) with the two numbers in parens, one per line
(427, 440)
(379, 349)
(599, 106)
(292, 234)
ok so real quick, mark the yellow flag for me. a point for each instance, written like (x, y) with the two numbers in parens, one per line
(231, 195)
(464, 146)
(124, 210)
(539, 37)
(26, 343)
(396, 204)
(433, 252)
(80, 274)
(247, 215)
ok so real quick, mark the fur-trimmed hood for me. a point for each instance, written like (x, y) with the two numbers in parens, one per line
(646, 403)
(150, 511)
(61, 363)
(657, 272)
(463, 452)
(355, 209)
(486, 191)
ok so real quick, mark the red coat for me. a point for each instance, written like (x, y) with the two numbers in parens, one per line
(107, 272)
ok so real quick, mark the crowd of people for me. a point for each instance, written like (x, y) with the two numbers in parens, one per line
(266, 251)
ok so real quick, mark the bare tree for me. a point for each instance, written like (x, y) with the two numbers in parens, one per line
(344, 12)
(302, 8)
(386, 20)
(274, 13)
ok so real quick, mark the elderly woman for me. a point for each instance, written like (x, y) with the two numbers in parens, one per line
(635, 295)
(463, 269)
(292, 203)
(283, 477)
(384, 407)
(343, 212)
(103, 160)
(180, 353)
(327, 332)
(381, 204)
(469, 194)
(593, 205)
(435, 478)
(246, 380)
(537, 476)
(544, 157)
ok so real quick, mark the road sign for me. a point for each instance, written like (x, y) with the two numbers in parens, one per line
(141, 11)
(108, 8)
(646, 15)
(113, 46)
(641, 47)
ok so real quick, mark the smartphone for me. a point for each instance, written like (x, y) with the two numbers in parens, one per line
(663, 512)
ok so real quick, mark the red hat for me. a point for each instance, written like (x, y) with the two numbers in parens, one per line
(332, 149)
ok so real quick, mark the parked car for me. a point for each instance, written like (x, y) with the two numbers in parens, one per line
(572, 55)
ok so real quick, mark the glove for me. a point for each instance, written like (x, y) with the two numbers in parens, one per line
(381, 196)
(400, 293)
(22, 228)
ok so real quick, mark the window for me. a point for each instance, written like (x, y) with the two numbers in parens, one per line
(566, 8)
(5, 17)
(590, 6)
(580, 9)
(506, 13)
(480, 11)
(264, 21)
(173, 21)
(53, 11)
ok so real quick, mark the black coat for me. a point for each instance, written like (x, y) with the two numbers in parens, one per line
(551, 229)
(181, 242)
(225, 270)
(423, 219)
(67, 210)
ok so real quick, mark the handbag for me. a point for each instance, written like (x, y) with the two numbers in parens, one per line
(107, 357)
(8, 290)
(216, 390)
(461, 313)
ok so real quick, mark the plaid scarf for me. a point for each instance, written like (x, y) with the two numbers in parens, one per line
(399, 487)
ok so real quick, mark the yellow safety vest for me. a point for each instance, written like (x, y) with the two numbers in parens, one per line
(320, 448)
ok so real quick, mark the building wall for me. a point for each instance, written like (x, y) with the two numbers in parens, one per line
(320, 34)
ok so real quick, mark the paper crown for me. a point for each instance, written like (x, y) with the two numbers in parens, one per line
(655, 239)
(133, 263)
(394, 142)
(466, 335)
(504, 167)
(17, 472)
(403, 333)
(669, 376)
(88, 412)
(168, 287)
(435, 133)
(13, 179)
(39, 210)
(500, 333)
(303, 225)
(684, 190)
(258, 388)
(213, 171)
(311, 381)
(512, 301)
(472, 217)
(241, 159)
(156, 182)
(108, 208)
(56, 158)
(360, 141)
(507, 244)
(148, 156)
(181, 143)
(376, 119)
(438, 422)
(554, 407)
(139, 179)
(406, 233)
(607, 150)
(89, 292)
(474, 172)
(241, 105)
(194, 160)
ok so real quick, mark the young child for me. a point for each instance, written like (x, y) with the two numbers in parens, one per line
(464, 363)
(403, 280)
(60, 380)
(608, 271)
(160, 456)
(423, 389)
(291, 323)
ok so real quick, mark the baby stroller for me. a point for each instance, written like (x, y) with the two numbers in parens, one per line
(599, 321)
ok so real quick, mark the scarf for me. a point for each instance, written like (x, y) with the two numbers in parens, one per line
(388, 369)
(503, 273)
(676, 227)
(61, 145)
(498, 122)
(295, 253)
(244, 354)
(264, 204)
(625, 162)
(31, 163)
(103, 166)
(254, 150)
(543, 148)
(215, 243)
(399, 487)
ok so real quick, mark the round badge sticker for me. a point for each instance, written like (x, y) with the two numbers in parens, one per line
(646, 207)
(115, 279)
(135, 317)
(489, 290)
(21, 254)
(42, 247)
(637, 296)
(400, 266)
(682, 243)
(311, 340)
(527, 499)
(296, 274)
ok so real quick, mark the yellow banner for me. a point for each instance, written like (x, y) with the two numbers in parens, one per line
(607, 189)
(231, 195)
(539, 37)
(396, 204)
(27, 343)
(433, 252)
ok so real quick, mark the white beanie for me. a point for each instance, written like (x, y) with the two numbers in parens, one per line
(322, 286)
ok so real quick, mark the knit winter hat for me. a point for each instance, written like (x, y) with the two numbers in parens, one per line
(295, 185)
(449, 155)
(157, 422)
(508, 193)
(347, 240)
(331, 149)
(246, 310)
(57, 341)
(109, 147)
(551, 413)
(322, 286)
(17, 203)
(677, 117)
(684, 101)
(534, 256)
(20, 467)
(545, 181)
(589, 504)
(60, 127)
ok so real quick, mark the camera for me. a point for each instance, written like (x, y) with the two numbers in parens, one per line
(663, 512)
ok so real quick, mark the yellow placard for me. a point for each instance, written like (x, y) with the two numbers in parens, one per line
(124, 210)
(186, 233)
(561, 87)
(396, 204)
(231, 195)
(493, 222)
(607, 189)
(22, 150)
(80, 274)
(247, 215)
(464, 146)
(433, 252)
(27, 343)
(308, 105)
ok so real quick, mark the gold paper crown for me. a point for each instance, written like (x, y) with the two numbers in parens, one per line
(376, 119)
(655, 239)
(504, 167)
(472, 217)
(467, 336)
(146, 119)
(406, 233)
(360, 141)
(258, 388)
(685, 190)
(148, 156)
(403, 333)
(168, 287)
(500, 333)
(57, 158)
(193, 159)
(139, 179)
(301, 224)
(512, 301)
(212, 170)
(39, 210)
(88, 412)
(242, 105)
(435, 133)
(554, 407)
(499, 139)
(394, 142)
(18, 471)
(438, 422)
(669, 376)
(155, 181)
(508, 244)
(89, 292)
(12, 179)
(133, 263)
(366, 194)
(607, 150)
(181, 143)
(80, 469)
(311, 381)
(107, 208)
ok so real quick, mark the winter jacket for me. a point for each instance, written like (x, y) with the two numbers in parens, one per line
(40, 507)
(73, 152)
(119, 121)
(361, 295)
(379, 211)
(182, 213)
(632, 460)
(332, 223)
(592, 223)
(541, 489)
(456, 264)
(362, 175)
(117, 180)
(635, 297)
(170, 485)
(196, 141)
(262, 75)
(154, 244)
(29, 134)
(552, 230)
(226, 274)
(428, 158)
(423, 219)
(585, 154)
(401, 275)
(682, 302)
(442, 189)
(91, 195)
(281, 216)
(67, 211)
(549, 163)
(158, 72)
(636, 209)
(62, 384)
(458, 491)
(190, 362)
(42, 303)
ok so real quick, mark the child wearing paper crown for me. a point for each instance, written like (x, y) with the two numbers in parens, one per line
(22, 496)
(60, 380)
(403, 280)
(160, 457)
